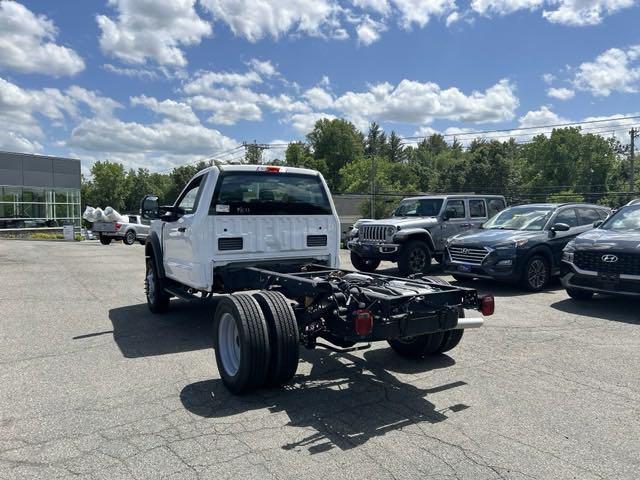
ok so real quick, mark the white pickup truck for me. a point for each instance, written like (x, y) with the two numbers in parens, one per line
(129, 232)
(274, 231)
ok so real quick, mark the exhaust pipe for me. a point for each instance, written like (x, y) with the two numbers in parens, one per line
(472, 322)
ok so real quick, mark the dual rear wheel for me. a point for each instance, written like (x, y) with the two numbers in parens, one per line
(256, 341)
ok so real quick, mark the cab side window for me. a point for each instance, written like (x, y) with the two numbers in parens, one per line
(477, 209)
(496, 205)
(188, 201)
(588, 216)
(569, 217)
(455, 209)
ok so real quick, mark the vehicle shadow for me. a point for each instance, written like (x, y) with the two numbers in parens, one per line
(605, 307)
(345, 400)
(140, 333)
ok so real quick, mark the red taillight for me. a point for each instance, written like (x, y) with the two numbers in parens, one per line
(271, 169)
(363, 322)
(487, 305)
(118, 225)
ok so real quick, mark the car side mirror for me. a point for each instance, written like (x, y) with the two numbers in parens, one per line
(449, 214)
(150, 207)
(597, 224)
(560, 227)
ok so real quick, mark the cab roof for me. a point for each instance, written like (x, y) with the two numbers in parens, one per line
(256, 168)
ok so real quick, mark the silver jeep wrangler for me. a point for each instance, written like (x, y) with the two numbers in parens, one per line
(418, 230)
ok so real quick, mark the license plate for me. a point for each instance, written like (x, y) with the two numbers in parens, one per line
(464, 268)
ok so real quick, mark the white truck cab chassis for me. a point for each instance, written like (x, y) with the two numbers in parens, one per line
(274, 231)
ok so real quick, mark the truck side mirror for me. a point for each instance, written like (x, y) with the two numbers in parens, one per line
(448, 214)
(150, 207)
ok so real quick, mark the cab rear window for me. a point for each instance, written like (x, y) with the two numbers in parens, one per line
(267, 193)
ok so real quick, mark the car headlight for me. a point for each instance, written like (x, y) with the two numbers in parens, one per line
(391, 231)
(353, 233)
(511, 245)
(567, 256)
(568, 252)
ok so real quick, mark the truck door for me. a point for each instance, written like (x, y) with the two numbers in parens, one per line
(477, 212)
(177, 235)
(456, 215)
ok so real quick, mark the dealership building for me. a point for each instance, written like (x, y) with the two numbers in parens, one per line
(38, 191)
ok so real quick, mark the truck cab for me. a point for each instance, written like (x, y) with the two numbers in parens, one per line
(243, 214)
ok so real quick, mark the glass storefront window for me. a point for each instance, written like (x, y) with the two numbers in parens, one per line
(33, 194)
(11, 194)
(36, 207)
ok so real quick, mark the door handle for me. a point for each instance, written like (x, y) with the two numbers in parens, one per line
(182, 229)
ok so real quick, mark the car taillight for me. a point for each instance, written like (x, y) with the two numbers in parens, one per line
(363, 322)
(487, 305)
(118, 225)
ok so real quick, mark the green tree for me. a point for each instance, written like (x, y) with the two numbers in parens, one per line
(253, 154)
(338, 143)
(395, 151)
(376, 142)
(298, 154)
(108, 186)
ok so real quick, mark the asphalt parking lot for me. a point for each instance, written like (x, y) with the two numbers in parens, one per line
(94, 386)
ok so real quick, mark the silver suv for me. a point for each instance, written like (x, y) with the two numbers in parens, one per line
(418, 230)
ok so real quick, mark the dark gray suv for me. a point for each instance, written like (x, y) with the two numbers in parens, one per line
(418, 230)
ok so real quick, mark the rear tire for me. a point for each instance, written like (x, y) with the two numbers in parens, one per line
(129, 238)
(157, 299)
(105, 240)
(364, 264)
(241, 341)
(415, 257)
(418, 347)
(578, 294)
(283, 337)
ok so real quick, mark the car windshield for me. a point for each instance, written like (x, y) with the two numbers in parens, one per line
(429, 207)
(248, 193)
(627, 218)
(520, 218)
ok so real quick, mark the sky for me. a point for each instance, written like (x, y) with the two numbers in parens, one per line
(159, 84)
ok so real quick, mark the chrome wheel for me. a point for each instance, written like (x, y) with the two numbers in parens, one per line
(229, 344)
(537, 274)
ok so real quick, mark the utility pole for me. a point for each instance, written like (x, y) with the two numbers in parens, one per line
(253, 151)
(373, 187)
(634, 133)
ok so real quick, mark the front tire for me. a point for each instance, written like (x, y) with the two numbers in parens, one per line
(241, 341)
(536, 273)
(364, 264)
(283, 337)
(129, 238)
(105, 240)
(578, 294)
(157, 299)
(415, 257)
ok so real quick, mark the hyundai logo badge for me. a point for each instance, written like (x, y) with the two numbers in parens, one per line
(465, 251)
(609, 258)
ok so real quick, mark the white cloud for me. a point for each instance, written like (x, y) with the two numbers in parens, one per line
(420, 11)
(265, 67)
(379, 6)
(148, 29)
(142, 73)
(304, 122)
(206, 82)
(548, 78)
(452, 18)
(581, 12)
(420, 103)
(15, 142)
(256, 19)
(541, 117)
(561, 93)
(566, 12)
(27, 43)
(369, 30)
(178, 111)
(318, 98)
(615, 70)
